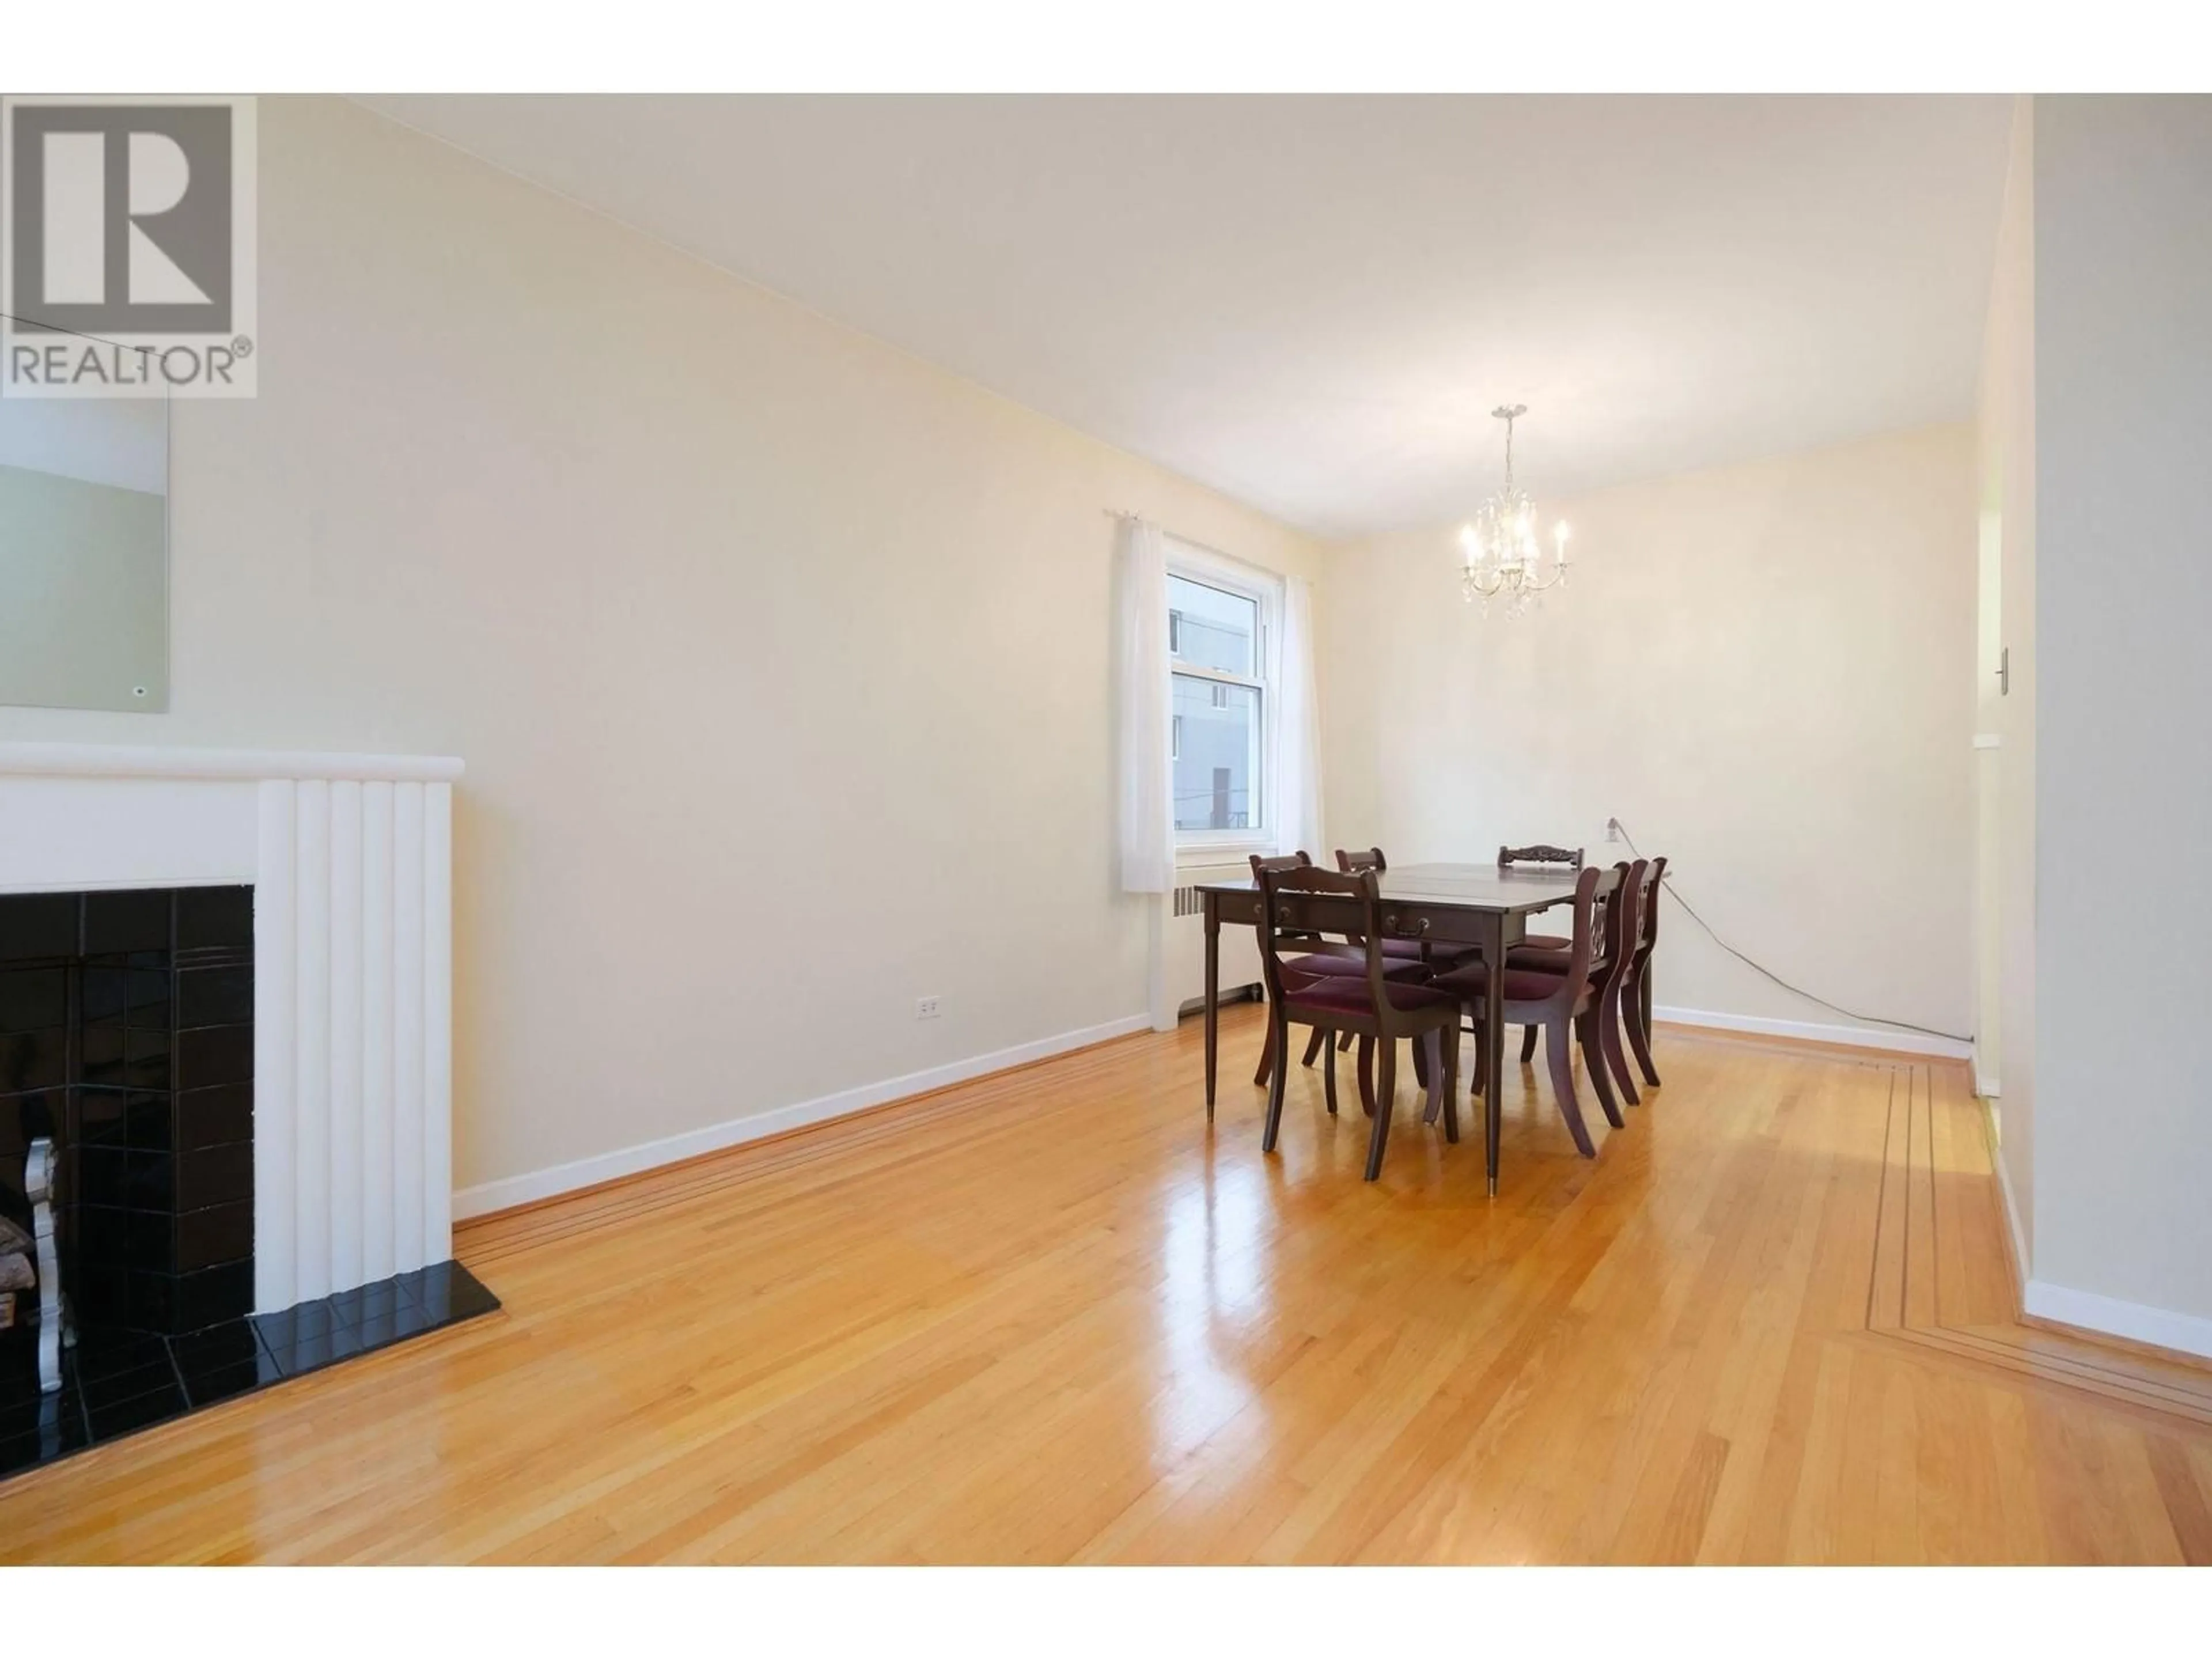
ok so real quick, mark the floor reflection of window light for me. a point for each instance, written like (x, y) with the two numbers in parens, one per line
(1213, 1304)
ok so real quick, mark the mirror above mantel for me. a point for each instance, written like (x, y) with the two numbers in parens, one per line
(84, 581)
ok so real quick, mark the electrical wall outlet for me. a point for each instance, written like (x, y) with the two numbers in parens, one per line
(1613, 829)
(926, 1008)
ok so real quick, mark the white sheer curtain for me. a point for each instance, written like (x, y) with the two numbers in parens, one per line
(1147, 810)
(1297, 727)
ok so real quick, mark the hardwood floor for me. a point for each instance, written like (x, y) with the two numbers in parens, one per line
(1048, 1317)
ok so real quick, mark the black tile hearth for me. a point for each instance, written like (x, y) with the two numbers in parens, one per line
(113, 1419)
(116, 1382)
(50, 1427)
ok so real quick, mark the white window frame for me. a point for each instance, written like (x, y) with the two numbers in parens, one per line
(1265, 589)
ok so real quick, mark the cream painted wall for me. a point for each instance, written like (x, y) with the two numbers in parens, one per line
(2122, 788)
(1764, 670)
(780, 659)
(2005, 777)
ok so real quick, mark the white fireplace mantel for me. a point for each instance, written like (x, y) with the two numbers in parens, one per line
(103, 760)
(351, 858)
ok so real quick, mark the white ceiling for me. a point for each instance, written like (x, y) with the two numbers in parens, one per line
(1312, 303)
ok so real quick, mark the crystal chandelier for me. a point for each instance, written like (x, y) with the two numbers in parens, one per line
(1502, 559)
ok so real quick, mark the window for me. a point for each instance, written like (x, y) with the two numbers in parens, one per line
(1218, 620)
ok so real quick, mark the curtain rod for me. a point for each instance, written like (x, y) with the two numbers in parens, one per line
(1212, 552)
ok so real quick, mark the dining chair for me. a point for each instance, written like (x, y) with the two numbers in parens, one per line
(1560, 1002)
(1374, 1005)
(1434, 956)
(1298, 861)
(1322, 963)
(1622, 913)
(1635, 990)
(1567, 858)
(1619, 934)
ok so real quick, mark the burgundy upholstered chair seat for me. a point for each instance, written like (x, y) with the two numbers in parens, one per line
(1546, 962)
(1549, 952)
(1350, 995)
(1403, 950)
(1320, 965)
(1522, 984)
(1549, 961)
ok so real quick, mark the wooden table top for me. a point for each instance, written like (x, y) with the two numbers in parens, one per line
(1462, 886)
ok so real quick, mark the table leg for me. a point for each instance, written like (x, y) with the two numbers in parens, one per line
(1212, 993)
(1493, 1042)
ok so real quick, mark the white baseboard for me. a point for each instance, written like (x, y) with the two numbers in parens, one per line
(505, 1194)
(2022, 1267)
(1985, 1083)
(2084, 1310)
(1856, 1037)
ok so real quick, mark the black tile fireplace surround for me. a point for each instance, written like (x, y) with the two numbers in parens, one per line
(126, 1038)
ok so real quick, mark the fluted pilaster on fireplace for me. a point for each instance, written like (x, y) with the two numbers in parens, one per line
(353, 928)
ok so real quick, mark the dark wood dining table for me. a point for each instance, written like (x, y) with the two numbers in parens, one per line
(1451, 904)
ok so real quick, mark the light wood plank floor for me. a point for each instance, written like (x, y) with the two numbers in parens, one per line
(1048, 1316)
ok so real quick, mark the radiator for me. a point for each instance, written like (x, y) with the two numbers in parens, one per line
(1185, 940)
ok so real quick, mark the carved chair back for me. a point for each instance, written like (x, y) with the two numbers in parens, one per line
(1591, 914)
(1621, 923)
(1648, 907)
(1541, 853)
(1278, 885)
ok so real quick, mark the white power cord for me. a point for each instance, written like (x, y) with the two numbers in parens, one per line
(1760, 967)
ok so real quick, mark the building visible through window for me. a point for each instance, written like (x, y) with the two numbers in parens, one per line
(1215, 638)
